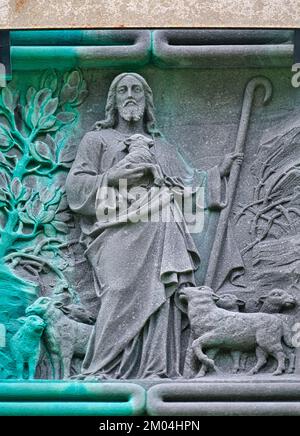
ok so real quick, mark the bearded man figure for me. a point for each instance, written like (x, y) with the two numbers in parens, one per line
(138, 265)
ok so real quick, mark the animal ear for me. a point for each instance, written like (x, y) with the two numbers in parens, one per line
(262, 299)
(241, 302)
(22, 320)
(65, 309)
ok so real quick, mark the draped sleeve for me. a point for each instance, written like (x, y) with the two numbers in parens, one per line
(85, 175)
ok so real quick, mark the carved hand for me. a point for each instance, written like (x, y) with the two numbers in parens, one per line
(226, 165)
(132, 175)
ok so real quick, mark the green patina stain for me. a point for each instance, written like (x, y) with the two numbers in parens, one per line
(71, 398)
(35, 126)
(36, 50)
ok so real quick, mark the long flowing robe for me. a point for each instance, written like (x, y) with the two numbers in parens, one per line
(137, 266)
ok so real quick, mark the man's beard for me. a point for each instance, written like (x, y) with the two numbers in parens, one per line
(131, 112)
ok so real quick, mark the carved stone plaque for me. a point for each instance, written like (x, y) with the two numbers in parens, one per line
(149, 213)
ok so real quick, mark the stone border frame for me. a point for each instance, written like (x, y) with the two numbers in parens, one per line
(221, 398)
(51, 398)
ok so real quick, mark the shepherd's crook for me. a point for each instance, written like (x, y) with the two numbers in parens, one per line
(235, 170)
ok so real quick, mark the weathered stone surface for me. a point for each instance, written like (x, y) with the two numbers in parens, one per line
(154, 13)
(168, 302)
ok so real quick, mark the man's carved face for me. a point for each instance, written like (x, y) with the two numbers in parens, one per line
(130, 99)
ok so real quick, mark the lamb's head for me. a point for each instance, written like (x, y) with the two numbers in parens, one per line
(39, 307)
(194, 296)
(77, 312)
(230, 302)
(138, 141)
(278, 299)
(33, 323)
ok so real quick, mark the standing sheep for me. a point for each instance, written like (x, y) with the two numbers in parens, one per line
(25, 345)
(215, 329)
(63, 337)
(232, 303)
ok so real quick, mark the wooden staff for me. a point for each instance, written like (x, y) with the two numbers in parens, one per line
(251, 87)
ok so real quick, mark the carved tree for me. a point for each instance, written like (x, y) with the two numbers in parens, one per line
(34, 131)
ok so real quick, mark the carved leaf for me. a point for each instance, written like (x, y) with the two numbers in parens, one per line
(37, 208)
(2, 195)
(68, 154)
(26, 115)
(55, 199)
(47, 122)
(51, 106)
(64, 217)
(50, 80)
(40, 100)
(8, 99)
(63, 205)
(30, 95)
(66, 117)
(81, 97)
(16, 188)
(60, 227)
(51, 144)
(2, 159)
(25, 218)
(42, 97)
(68, 94)
(74, 79)
(50, 231)
(4, 180)
(27, 193)
(41, 152)
(5, 141)
(47, 217)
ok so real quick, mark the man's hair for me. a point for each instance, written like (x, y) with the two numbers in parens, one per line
(111, 110)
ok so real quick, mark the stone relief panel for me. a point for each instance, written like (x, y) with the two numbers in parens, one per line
(104, 274)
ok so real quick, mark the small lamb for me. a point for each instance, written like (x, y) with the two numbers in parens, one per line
(140, 154)
(276, 301)
(63, 337)
(25, 345)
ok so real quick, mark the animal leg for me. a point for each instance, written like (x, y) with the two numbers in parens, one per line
(198, 346)
(292, 360)
(31, 367)
(66, 360)
(56, 365)
(243, 361)
(236, 357)
(262, 358)
(190, 364)
(20, 369)
(204, 368)
(279, 355)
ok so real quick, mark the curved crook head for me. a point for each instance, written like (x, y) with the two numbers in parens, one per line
(258, 82)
